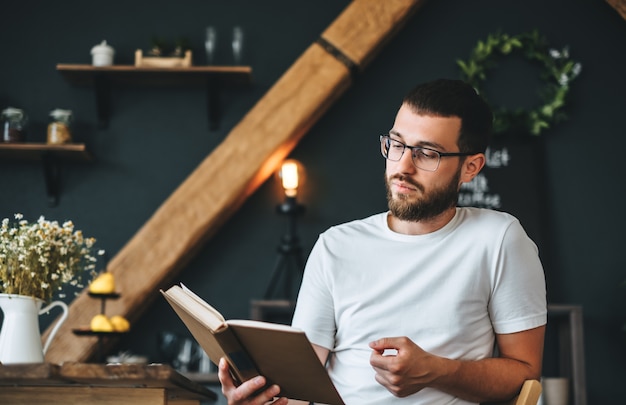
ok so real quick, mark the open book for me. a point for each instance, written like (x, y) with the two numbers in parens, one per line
(280, 353)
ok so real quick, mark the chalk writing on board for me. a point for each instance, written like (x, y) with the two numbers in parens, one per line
(497, 158)
(477, 193)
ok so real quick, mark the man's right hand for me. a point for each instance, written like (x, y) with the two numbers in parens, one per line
(247, 393)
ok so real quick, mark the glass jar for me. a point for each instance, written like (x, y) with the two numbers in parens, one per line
(59, 127)
(13, 125)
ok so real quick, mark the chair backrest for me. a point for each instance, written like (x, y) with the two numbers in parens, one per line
(529, 394)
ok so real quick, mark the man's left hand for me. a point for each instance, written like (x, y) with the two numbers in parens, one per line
(402, 366)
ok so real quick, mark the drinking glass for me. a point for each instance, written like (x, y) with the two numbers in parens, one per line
(210, 44)
(237, 44)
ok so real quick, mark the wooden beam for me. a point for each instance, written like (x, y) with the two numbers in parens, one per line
(620, 6)
(222, 182)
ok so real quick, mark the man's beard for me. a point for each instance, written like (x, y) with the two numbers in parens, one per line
(428, 206)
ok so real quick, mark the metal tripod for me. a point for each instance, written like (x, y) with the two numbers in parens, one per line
(289, 260)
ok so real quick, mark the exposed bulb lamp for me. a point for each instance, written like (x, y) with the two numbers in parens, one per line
(290, 174)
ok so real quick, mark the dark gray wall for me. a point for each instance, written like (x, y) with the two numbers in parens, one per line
(158, 136)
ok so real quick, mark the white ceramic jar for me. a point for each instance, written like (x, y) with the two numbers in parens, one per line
(102, 54)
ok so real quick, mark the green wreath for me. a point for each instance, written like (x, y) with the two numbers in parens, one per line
(558, 71)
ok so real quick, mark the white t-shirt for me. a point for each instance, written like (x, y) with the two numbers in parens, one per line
(449, 291)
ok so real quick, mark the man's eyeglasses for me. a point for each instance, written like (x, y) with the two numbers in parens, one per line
(423, 158)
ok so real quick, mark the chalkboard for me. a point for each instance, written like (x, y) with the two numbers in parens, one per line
(513, 181)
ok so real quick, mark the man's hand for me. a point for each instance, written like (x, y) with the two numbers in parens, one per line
(402, 366)
(247, 393)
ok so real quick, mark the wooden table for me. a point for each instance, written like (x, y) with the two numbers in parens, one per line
(98, 384)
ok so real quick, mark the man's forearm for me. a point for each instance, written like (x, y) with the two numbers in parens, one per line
(493, 379)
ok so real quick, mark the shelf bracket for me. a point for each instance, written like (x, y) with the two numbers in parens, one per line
(102, 87)
(52, 176)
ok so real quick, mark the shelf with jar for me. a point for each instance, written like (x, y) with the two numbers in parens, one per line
(211, 78)
(57, 149)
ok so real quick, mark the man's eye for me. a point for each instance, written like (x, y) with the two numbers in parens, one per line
(425, 154)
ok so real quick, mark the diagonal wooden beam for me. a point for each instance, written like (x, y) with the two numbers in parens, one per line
(619, 6)
(219, 186)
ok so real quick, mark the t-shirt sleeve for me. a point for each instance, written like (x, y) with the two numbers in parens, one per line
(314, 312)
(518, 299)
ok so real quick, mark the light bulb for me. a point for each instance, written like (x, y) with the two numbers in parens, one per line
(289, 177)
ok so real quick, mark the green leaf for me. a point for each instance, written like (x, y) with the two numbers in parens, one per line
(557, 73)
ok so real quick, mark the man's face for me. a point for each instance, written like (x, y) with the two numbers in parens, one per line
(414, 194)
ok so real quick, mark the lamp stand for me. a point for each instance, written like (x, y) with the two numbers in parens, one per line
(289, 252)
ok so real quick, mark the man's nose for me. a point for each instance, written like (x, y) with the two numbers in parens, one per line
(405, 163)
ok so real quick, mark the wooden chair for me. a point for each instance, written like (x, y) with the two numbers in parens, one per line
(529, 394)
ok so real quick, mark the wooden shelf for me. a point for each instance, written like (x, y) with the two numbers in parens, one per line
(211, 78)
(37, 151)
(85, 75)
(51, 156)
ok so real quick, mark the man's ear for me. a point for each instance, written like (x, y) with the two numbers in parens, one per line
(472, 166)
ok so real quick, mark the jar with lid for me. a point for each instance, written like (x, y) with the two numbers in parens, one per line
(102, 54)
(13, 125)
(59, 127)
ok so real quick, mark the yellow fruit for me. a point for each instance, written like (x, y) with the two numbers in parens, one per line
(100, 323)
(103, 284)
(120, 324)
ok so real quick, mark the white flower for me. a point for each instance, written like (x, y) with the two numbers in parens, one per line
(39, 258)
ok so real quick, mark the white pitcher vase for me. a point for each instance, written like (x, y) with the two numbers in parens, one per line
(20, 339)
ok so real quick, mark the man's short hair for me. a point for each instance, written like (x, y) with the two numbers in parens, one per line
(455, 98)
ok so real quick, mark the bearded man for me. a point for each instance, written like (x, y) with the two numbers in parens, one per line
(427, 303)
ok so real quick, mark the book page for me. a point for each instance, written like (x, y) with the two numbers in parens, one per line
(203, 302)
(263, 325)
(197, 307)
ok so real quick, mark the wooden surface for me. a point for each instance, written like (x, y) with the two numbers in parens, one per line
(222, 182)
(531, 390)
(366, 26)
(129, 75)
(31, 374)
(529, 395)
(83, 395)
(97, 384)
(34, 151)
(619, 6)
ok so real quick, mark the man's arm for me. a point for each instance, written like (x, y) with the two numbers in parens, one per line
(493, 379)
(322, 352)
